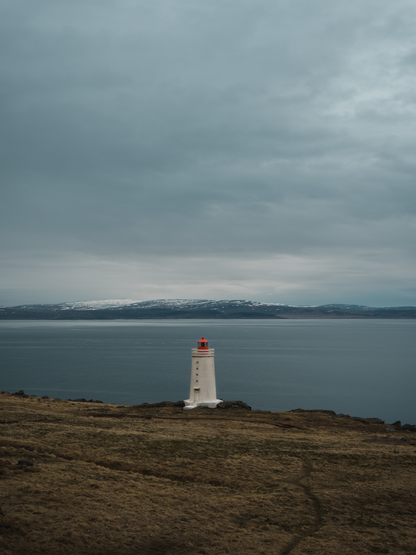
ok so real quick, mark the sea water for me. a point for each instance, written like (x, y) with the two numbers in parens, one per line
(357, 367)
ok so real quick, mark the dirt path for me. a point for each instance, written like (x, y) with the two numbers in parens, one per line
(316, 504)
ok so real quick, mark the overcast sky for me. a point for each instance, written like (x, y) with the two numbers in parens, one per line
(225, 149)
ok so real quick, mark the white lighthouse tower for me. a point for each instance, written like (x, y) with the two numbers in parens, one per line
(203, 391)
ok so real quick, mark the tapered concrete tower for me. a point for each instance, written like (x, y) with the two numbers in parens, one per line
(203, 391)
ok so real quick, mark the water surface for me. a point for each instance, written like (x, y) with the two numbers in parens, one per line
(358, 367)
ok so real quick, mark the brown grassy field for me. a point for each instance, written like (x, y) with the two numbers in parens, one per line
(110, 480)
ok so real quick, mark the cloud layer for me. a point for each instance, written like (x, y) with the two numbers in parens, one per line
(242, 149)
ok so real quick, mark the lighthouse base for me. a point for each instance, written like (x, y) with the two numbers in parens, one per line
(189, 404)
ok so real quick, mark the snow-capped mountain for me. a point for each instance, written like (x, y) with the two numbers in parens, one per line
(158, 303)
(131, 309)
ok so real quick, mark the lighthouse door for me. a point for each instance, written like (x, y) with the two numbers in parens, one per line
(196, 394)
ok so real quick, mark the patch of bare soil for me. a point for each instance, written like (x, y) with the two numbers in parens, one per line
(83, 478)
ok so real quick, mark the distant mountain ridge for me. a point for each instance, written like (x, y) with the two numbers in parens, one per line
(111, 309)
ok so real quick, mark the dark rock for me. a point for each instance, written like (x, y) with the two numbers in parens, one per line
(332, 412)
(82, 400)
(25, 463)
(21, 394)
(162, 404)
(45, 397)
(233, 405)
(398, 423)
(409, 427)
(360, 419)
(367, 420)
(375, 421)
(1, 512)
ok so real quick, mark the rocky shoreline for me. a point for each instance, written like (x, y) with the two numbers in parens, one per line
(229, 406)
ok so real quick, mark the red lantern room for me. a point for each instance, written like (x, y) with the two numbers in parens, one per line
(203, 344)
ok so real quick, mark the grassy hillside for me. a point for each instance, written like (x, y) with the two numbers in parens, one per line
(110, 480)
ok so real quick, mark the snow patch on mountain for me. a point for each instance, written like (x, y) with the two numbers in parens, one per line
(96, 305)
(159, 303)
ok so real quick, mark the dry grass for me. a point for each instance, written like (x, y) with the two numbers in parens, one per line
(159, 480)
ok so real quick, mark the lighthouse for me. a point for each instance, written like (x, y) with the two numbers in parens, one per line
(203, 391)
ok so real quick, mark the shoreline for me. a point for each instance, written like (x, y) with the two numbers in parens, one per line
(223, 406)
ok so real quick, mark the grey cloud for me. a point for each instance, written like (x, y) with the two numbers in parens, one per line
(135, 129)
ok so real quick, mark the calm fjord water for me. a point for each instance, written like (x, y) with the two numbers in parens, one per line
(358, 367)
